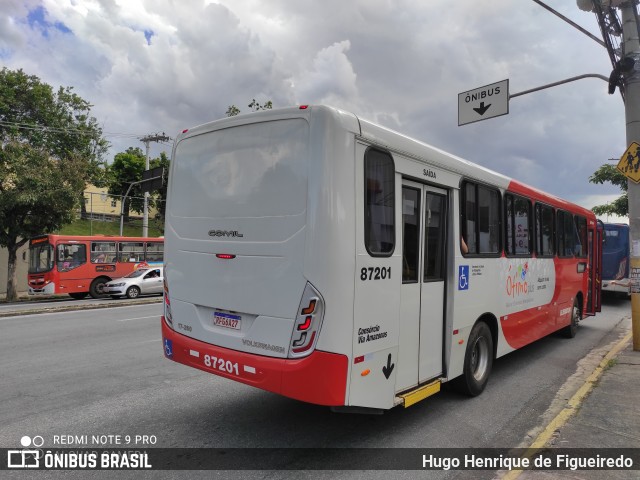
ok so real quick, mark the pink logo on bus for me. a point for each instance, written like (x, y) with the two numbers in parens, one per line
(517, 280)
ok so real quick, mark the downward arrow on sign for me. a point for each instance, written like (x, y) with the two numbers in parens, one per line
(482, 109)
(389, 368)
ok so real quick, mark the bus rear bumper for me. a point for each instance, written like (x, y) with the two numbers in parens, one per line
(620, 286)
(320, 378)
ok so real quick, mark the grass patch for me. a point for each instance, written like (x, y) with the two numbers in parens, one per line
(612, 362)
(97, 227)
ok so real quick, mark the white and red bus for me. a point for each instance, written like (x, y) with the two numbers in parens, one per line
(322, 257)
(81, 265)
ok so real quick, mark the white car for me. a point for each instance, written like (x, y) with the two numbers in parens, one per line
(142, 281)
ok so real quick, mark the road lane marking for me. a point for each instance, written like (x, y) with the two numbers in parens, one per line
(137, 318)
(155, 340)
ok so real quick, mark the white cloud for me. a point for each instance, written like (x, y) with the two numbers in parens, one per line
(331, 78)
(165, 65)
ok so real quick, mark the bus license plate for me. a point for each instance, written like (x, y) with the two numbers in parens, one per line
(227, 320)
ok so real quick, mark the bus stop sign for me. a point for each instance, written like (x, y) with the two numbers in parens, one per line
(484, 102)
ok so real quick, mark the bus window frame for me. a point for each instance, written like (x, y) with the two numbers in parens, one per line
(147, 252)
(110, 255)
(583, 242)
(391, 195)
(72, 265)
(463, 218)
(512, 232)
(536, 207)
(138, 255)
(561, 235)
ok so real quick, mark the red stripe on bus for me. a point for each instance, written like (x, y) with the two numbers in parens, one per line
(320, 378)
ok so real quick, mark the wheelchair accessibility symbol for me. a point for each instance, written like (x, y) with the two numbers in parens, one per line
(168, 348)
(463, 277)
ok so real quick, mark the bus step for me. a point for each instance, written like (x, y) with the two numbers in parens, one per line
(419, 393)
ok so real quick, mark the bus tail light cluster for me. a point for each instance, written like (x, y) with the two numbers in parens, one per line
(306, 328)
(167, 303)
(622, 269)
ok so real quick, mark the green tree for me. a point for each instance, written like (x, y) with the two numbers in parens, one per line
(610, 174)
(127, 167)
(50, 147)
(232, 111)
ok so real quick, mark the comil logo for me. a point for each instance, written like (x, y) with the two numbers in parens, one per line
(225, 233)
(26, 457)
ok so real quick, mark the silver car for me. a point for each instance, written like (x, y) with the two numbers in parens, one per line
(139, 282)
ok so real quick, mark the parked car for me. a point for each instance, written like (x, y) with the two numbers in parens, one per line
(142, 281)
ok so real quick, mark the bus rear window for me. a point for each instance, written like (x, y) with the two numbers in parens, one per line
(250, 171)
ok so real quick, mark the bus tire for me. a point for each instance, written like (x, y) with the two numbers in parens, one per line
(570, 330)
(96, 290)
(478, 360)
(133, 292)
(79, 295)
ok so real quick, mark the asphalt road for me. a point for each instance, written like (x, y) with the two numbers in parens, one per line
(102, 372)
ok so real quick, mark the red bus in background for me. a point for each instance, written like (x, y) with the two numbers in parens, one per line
(81, 265)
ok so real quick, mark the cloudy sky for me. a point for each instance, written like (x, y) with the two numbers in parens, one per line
(152, 66)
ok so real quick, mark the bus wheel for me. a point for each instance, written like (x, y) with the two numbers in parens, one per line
(133, 292)
(79, 295)
(478, 360)
(96, 290)
(570, 330)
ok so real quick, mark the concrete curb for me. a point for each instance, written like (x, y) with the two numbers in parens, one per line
(80, 306)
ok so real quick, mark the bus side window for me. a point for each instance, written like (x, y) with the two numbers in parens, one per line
(566, 234)
(379, 204)
(480, 220)
(103, 252)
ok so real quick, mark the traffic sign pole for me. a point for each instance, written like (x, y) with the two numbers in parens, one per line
(631, 46)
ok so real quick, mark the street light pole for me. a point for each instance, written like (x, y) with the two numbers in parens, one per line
(145, 212)
(631, 49)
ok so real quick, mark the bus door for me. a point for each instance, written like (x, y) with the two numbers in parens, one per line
(594, 294)
(424, 230)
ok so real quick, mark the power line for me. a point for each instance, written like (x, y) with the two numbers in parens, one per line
(26, 126)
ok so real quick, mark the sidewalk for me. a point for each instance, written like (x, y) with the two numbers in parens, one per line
(608, 417)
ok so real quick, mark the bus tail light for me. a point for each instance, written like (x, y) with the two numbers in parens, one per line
(167, 303)
(622, 269)
(308, 322)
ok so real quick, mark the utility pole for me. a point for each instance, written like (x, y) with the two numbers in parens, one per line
(145, 213)
(625, 75)
(631, 81)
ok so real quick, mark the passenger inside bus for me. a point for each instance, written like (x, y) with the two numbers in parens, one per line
(463, 245)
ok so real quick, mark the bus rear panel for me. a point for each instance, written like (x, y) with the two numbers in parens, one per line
(241, 225)
(615, 258)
